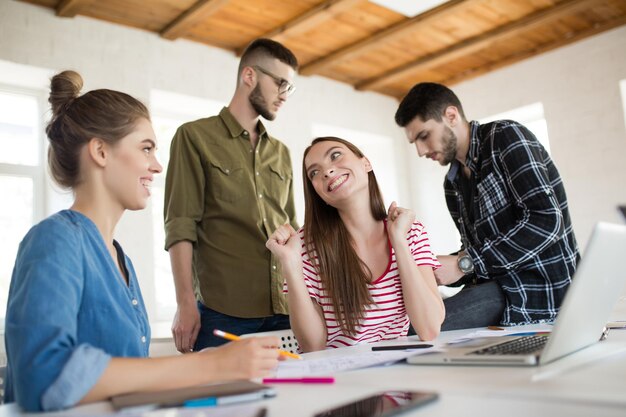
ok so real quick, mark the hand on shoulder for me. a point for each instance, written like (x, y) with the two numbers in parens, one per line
(399, 221)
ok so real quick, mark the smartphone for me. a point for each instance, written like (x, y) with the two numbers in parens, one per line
(384, 404)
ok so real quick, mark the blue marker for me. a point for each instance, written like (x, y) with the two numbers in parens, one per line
(201, 402)
(230, 399)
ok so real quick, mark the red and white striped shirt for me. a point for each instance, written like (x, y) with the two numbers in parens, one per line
(385, 319)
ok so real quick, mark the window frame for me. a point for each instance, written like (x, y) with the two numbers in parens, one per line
(622, 89)
(36, 172)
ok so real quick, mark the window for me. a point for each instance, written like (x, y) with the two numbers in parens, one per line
(378, 149)
(530, 116)
(169, 111)
(21, 174)
(409, 8)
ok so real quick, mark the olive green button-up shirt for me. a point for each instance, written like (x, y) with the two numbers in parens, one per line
(227, 199)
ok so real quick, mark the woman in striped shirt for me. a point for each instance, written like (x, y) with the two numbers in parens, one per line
(354, 273)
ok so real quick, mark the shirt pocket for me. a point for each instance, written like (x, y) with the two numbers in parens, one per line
(279, 184)
(226, 180)
(492, 196)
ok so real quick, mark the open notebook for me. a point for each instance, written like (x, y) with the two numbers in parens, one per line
(596, 287)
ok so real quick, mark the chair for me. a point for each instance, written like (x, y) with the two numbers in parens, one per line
(287, 339)
(3, 370)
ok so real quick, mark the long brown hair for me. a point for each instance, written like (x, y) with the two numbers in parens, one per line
(344, 275)
(105, 114)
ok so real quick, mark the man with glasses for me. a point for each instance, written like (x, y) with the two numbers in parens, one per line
(229, 185)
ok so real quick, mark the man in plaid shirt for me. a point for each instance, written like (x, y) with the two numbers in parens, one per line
(507, 199)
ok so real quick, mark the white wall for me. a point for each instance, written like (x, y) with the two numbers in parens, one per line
(579, 88)
(135, 61)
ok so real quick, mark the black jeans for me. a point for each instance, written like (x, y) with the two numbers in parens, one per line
(474, 306)
(211, 320)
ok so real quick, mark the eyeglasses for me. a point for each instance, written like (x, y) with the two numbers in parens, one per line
(284, 86)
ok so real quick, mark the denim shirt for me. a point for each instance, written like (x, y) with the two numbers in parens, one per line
(69, 312)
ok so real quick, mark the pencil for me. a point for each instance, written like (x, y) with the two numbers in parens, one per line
(230, 336)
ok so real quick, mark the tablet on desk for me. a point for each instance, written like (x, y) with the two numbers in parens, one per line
(215, 394)
(383, 404)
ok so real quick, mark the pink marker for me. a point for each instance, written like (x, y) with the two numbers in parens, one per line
(318, 380)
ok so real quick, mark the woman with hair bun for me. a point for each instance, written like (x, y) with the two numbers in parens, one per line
(76, 327)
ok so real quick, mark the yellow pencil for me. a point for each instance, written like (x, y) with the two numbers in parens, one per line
(230, 336)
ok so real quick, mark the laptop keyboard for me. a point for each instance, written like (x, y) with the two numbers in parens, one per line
(520, 346)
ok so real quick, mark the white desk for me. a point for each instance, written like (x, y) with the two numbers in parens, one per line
(591, 382)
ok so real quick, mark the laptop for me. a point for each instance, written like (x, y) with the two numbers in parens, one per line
(595, 288)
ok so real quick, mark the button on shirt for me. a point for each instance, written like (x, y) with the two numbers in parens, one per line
(69, 312)
(516, 228)
(227, 199)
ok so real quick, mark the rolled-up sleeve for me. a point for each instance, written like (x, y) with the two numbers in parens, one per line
(76, 379)
(184, 190)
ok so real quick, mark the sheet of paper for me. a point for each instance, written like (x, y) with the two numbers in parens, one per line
(350, 360)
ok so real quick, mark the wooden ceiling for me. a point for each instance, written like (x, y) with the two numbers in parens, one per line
(364, 44)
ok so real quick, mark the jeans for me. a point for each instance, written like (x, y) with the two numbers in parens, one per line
(474, 306)
(211, 320)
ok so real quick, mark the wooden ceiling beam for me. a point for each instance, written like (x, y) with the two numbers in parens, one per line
(477, 43)
(311, 18)
(70, 8)
(200, 11)
(598, 28)
(397, 30)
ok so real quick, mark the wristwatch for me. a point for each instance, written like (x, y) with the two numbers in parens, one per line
(466, 265)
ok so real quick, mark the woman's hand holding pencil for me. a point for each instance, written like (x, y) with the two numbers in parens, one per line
(230, 336)
(249, 358)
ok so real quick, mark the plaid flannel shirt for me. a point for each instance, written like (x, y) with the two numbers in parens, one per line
(521, 234)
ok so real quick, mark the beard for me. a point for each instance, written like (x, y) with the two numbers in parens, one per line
(259, 104)
(449, 146)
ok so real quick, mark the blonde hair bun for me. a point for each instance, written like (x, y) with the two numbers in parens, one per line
(64, 88)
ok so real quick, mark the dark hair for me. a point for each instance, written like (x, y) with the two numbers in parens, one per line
(343, 273)
(106, 114)
(427, 101)
(262, 48)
